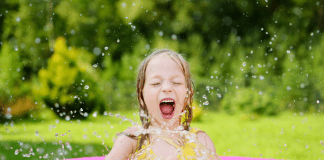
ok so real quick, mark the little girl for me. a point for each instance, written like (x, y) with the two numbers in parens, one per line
(165, 92)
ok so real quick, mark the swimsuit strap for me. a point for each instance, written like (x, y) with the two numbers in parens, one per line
(170, 141)
(194, 130)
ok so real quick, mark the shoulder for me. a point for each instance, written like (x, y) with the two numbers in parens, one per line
(127, 137)
(204, 139)
(124, 145)
(132, 130)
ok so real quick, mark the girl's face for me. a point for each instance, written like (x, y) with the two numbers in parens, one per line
(164, 89)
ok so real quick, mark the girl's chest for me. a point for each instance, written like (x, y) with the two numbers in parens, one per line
(162, 148)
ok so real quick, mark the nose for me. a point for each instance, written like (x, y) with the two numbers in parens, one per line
(166, 87)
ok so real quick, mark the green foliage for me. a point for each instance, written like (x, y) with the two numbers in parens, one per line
(250, 101)
(12, 83)
(230, 45)
(68, 85)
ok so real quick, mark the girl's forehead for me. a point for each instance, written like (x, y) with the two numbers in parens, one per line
(163, 62)
(163, 59)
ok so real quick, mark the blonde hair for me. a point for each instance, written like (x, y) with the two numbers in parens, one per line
(140, 85)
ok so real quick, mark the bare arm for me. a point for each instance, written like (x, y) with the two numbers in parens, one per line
(123, 146)
(204, 139)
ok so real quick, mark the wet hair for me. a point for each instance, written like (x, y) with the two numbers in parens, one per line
(183, 64)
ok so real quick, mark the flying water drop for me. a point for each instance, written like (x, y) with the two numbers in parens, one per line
(133, 27)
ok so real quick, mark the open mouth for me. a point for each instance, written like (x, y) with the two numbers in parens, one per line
(167, 108)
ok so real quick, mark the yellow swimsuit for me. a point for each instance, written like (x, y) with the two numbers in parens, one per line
(189, 150)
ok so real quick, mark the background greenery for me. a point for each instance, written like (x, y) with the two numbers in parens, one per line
(78, 58)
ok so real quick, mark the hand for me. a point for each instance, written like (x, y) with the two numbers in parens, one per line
(171, 158)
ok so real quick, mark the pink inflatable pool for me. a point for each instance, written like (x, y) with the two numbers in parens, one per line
(222, 157)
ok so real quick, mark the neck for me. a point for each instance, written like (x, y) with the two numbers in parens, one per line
(166, 126)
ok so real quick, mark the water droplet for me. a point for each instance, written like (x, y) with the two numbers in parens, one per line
(317, 101)
(133, 27)
(161, 33)
(276, 58)
(106, 48)
(67, 118)
(23, 78)
(174, 37)
(204, 96)
(302, 85)
(206, 103)
(207, 88)
(219, 95)
(72, 31)
(86, 87)
(288, 88)
(123, 4)
(95, 114)
(95, 65)
(16, 152)
(37, 40)
(56, 105)
(118, 40)
(228, 54)
(96, 51)
(261, 77)
(26, 155)
(147, 46)
(180, 128)
(312, 34)
(306, 146)
(244, 63)
(36, 133)
(56, 134)
(261, 29)
(18, 19)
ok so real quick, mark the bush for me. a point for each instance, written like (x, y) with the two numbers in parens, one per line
(68, 84)
(250, 101)
(13, 88)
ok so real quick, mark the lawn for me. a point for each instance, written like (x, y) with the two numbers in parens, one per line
(287, 136)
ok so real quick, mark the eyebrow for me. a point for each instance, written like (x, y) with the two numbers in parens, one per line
(159, 77)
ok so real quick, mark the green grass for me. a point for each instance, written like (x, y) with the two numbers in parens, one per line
(287, 136)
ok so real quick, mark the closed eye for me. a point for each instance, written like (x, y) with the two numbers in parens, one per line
(155, 84)
(176, 83)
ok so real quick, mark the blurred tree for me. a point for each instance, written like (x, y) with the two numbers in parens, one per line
(68, 84)
(231, 45)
